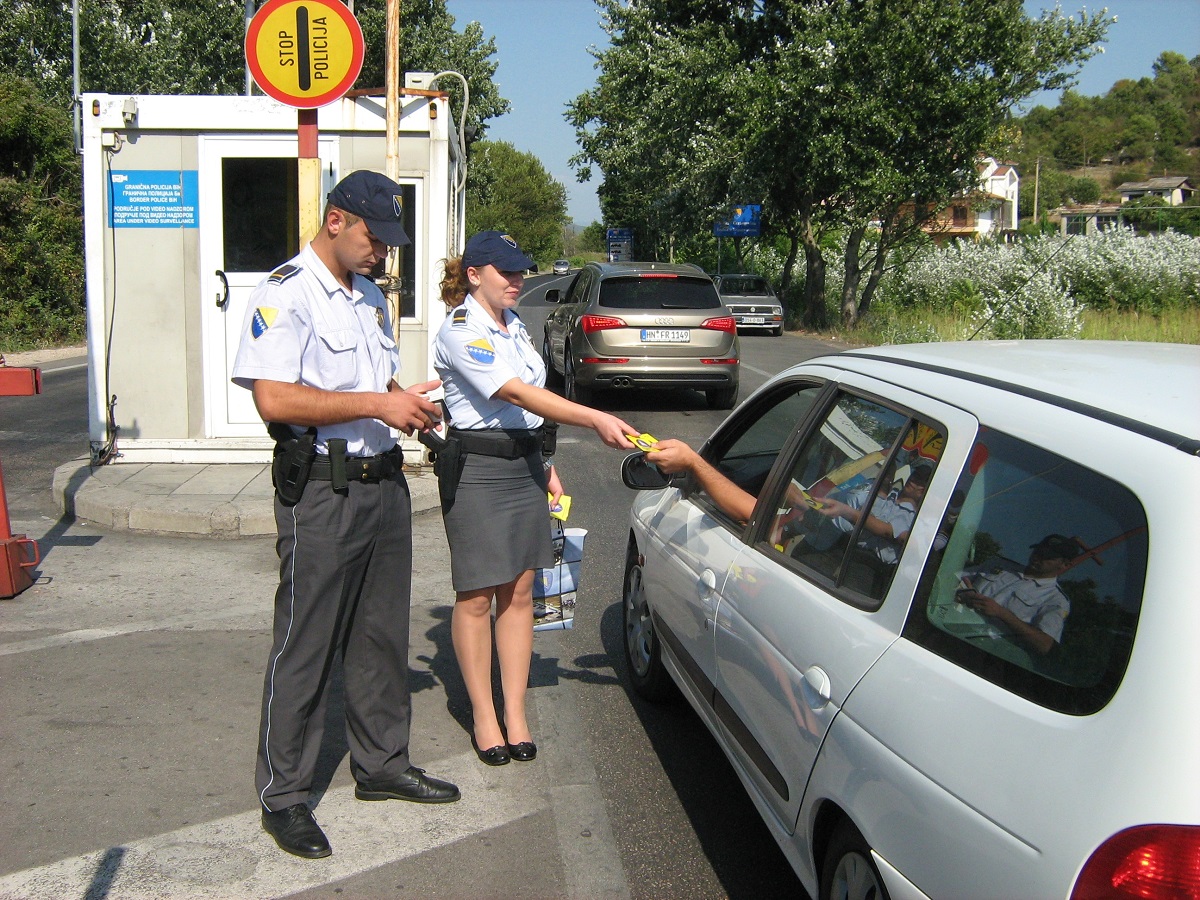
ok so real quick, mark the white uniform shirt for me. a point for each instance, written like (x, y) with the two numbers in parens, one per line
(1039, 602)
(474, 357)
(303, 327)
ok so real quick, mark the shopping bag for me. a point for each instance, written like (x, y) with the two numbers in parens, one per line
(555, 587)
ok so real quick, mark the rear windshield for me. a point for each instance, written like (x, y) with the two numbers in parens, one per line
(745, 287)
(658, 292)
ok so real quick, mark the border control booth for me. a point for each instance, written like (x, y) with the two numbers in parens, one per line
(189, 202)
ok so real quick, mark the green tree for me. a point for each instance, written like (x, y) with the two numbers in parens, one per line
(430, 43)
(593, 239)
(41, 240)
(854, 116)
(511, 191)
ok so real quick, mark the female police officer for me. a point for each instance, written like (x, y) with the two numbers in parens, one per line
(497, 519)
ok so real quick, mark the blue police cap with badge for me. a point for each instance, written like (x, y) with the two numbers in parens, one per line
(377, 200)
(493, 248)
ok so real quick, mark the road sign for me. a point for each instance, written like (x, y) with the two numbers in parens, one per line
(305, 53)
(743, 222)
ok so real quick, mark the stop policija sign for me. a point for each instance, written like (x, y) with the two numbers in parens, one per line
(305, 53)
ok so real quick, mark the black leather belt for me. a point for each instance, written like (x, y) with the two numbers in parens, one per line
(504, 443)
(369, 469)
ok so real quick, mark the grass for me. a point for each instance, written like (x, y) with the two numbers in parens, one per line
(1175, 326)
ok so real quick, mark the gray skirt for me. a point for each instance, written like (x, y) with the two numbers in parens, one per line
(499, 523)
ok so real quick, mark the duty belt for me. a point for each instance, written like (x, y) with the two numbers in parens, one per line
(505, 443)
(368, 469)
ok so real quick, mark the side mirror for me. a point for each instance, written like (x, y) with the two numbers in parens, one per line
(642, 476)
(554, 295)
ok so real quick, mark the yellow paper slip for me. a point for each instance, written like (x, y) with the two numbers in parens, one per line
(562, 509)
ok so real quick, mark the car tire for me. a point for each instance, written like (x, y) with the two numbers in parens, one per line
(721, 398)
(572, 389)
(849, 873)
(553, 379)
(777, 332)
(643, 653)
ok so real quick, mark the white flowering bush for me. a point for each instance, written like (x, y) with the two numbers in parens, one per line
(1036, 288)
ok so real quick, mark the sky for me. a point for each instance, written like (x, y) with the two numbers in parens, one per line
(543, 63)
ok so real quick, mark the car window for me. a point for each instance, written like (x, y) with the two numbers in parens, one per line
(746, 287)
(658, 292)
(1059, 551)
(745, 450)
(579, 287)
(853, 494)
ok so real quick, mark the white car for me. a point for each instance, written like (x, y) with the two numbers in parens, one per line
(562, 267)
(954, 652)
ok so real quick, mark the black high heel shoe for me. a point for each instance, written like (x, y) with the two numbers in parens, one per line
(522, 752)
(492, 756)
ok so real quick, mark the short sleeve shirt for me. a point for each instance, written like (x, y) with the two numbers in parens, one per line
(1039, 602)
(474, 357)
(303, 327)
(898, 514)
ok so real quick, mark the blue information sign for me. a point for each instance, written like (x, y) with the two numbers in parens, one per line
(150, 198)
(744, 222)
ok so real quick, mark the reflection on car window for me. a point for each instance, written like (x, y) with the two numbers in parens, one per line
(1037, 580)
(636, 292)
(756, 442)
(854, 493)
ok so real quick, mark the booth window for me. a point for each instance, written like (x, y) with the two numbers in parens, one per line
(260, 211)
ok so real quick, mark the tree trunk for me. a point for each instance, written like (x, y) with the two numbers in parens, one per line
(815, 315)
(791, 318)
(868, 293)
(852, 276)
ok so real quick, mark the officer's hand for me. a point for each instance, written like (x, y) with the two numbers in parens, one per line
(612, 431)
(409, 411)
(554, 486)
(423, 389)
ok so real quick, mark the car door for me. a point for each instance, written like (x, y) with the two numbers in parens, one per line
(558, 322)
(804, 613)
(693, 543)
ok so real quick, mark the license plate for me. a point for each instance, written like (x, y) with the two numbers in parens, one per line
(753, 320)
(666, 335)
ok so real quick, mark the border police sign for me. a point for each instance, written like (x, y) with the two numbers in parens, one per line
(305, 53)
(743, 222)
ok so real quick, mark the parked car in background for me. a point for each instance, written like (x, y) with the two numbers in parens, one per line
(562, 267)
(752, 301)
(991, 695)
(642, 325)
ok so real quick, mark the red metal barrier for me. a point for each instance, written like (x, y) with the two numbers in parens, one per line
(19, 555)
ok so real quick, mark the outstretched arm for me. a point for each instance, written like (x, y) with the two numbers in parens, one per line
(673, 456)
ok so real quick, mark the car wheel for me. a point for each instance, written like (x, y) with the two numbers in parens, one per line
(777, 331)
(849, 873)
(574, 391)
(643, 654)
(553, 379)
(721, 398)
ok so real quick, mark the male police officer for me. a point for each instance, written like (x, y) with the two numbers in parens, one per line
(317, 352)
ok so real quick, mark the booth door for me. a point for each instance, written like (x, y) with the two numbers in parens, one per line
(249, 215)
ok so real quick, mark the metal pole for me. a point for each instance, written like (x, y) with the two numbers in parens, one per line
(76, 102)
(250, 11)
(391, 163)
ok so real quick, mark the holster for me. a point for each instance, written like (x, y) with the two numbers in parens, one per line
(448, 467)
(291, 461)
(549, 437)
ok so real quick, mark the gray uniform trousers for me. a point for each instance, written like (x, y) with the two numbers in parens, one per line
(345, 577)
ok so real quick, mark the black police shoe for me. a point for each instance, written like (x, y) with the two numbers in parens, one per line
(296, 831)
(413, 785)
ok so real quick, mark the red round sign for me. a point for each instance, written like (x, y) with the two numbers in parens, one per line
(305, 53)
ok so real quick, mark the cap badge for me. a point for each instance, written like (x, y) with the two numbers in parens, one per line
(398, 205)
(508, 240)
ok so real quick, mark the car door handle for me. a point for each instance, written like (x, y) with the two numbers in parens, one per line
(816, 687)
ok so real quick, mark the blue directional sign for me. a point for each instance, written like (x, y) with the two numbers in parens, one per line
(743, 222)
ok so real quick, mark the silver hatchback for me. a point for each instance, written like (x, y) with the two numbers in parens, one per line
(752, 301)
(642, 325)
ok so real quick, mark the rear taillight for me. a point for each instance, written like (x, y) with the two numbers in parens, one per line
(721, 323)
(599, 323)
(1153, 862)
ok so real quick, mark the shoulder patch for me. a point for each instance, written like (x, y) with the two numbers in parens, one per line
(263, 318)
(283, 273)
(481, 351)
(459, 316)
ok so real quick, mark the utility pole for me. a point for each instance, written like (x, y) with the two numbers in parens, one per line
(391, 163)
(1037, 172)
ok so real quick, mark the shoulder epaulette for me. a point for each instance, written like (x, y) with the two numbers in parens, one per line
(283, 273)
(459, 316)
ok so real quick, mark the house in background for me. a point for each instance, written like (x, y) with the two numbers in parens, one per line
(987, 211)
(1095, 217)
(1175, 189)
